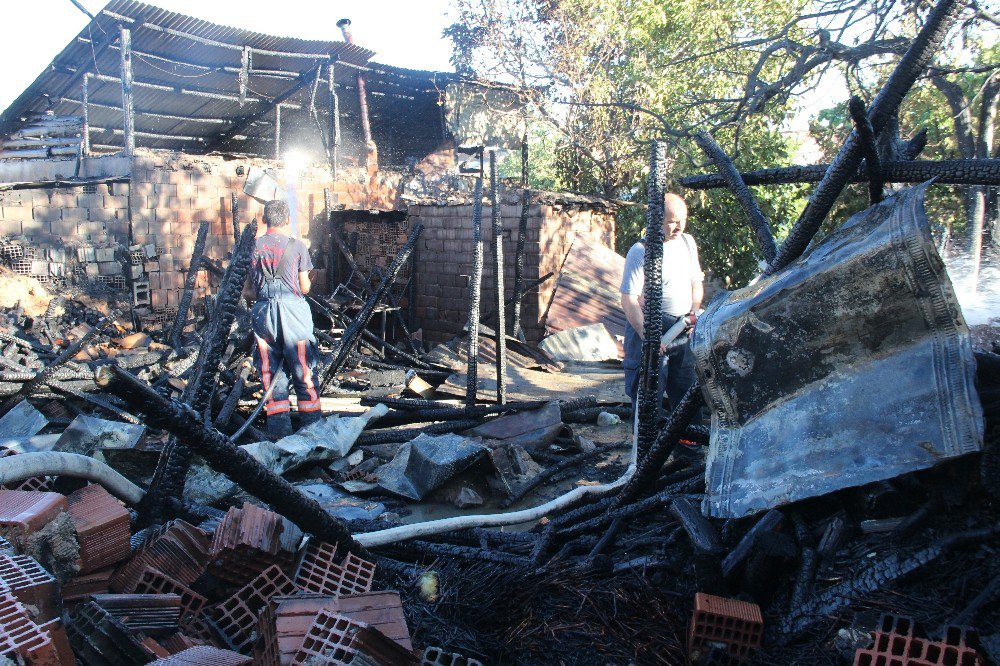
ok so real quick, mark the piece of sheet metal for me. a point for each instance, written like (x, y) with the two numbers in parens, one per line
(852, 365)
(427, 462)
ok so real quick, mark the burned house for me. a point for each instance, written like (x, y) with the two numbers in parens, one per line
(151, 122)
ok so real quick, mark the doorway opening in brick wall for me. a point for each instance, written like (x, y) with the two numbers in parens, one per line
(362, 246)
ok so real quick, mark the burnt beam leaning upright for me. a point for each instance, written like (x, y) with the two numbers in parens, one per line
(475, 286)
(501, 327)
(650, 398)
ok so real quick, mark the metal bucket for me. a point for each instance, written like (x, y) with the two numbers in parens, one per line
(852, 365)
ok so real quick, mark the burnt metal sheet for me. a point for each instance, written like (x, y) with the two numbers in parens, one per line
(852, 365)
(537, 427)
(427, 462)
(87, 434)
(22, 421)
(587, 291)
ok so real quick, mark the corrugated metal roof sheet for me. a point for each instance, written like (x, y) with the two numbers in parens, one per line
(176, 57)
(587, 290)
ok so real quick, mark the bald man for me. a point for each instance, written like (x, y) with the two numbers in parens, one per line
(681, 295)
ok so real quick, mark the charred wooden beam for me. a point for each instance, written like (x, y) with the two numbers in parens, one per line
(125, 73)
(703, 535)
(501, 327)
(866, 136)
(727, 170)
(85, 95)
(186, 424)
(235, 207)
(944, 172)
(650, 396)
(189, 282)
(883, 108)
(333, 131)
(522, 237)
(769, 522)
(475, 283)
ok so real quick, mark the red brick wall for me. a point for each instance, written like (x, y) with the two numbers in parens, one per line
(444, 261)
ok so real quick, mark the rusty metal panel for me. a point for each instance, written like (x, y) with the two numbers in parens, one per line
(852, 365)
(587, 291)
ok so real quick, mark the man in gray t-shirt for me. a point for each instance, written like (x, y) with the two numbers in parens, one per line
(682, 294)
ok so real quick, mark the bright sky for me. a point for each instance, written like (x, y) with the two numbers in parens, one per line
(404, 33)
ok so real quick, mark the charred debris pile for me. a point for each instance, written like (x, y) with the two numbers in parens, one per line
(843, 510)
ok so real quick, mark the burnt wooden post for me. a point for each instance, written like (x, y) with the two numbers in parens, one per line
(882, 110)
(866, 135)
(85, 94)
(244, 76)
(333, 277)
(760, 224)
(522, 232)
(475, 281)
(125, 39)
(277, 132)
(501, 327)
(650, 396)
(236, 218)
(334, 129)
(189, 282)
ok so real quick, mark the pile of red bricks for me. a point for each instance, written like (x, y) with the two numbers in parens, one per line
(896, 643)
(183, 594)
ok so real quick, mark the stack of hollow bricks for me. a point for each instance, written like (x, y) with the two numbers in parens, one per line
(154, 613)
(445, 254)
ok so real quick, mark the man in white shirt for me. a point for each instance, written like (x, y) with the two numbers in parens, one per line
(681, 296)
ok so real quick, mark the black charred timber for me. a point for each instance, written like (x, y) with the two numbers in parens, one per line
(608, 538)
(97, 401)
(501, 327)
(649, 466)
(189, 281)
(235, 205)
(650, 503)
(773, 554)
(760, 224)
(833, 536)
(175, 459)
(872, 578)
(650, 400)
(142, 360)
(353, 332)
(406, 434)
(703, 535)
(918, 517)
(542, 543)
(866, 136)
(49, 373)
(233, 399)
(967, 617)
(426, 548)
(883, 109)
(59, 375)
(475, 285)
(252, 433)
(698, 434)
(945, 172)
(548, 473)
(522, 236)
(184, 423)
(806, 576)
(769, 522)
(914, 146)
(392, 351)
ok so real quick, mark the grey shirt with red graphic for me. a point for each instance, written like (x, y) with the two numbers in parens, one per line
(266, 261)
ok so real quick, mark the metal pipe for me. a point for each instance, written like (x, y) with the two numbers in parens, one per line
(371, 155)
